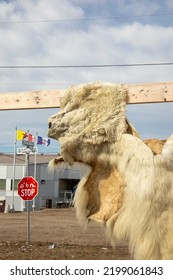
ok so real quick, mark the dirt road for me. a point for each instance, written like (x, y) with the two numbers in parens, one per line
(54, 234)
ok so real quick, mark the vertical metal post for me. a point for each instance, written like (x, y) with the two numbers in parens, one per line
(28, 202)
(35, 169)
(12, 208)
(28, 221)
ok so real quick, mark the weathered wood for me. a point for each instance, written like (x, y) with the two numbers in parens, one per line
(150, 93)
(31, 100)
(137, 93)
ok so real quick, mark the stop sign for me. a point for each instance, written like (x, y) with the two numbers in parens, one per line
(28, 188)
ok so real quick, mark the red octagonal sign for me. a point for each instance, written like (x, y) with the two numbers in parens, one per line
(28, 188)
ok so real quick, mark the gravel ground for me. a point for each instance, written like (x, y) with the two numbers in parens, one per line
(54, 234)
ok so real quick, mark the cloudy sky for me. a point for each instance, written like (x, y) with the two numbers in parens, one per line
(84, 32)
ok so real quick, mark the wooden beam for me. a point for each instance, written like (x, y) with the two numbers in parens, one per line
(31, 100)
(137, 94)
(150, 93)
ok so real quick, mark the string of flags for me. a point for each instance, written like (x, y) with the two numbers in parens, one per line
(39, 140)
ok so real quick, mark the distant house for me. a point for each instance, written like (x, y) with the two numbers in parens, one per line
(55, 189)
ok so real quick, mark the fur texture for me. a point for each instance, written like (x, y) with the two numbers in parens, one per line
(104, 188)
(82, 122)
(126, 186)
(144, 219)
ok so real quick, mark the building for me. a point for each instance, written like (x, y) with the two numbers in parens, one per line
(55, 188)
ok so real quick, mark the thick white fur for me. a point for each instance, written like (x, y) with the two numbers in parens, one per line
(85, 117)
(81, 196)
(145, 218)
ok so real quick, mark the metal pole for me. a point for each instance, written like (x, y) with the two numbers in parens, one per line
(28, 202)
(28, 221)
(35, 167)
(12, 208)
(33, 203)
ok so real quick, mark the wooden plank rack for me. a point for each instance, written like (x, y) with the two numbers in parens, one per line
(137, 94)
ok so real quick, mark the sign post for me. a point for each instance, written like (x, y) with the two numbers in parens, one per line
(27, 190)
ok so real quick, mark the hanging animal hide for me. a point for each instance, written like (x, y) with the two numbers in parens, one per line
(126, 185)
(92, 116)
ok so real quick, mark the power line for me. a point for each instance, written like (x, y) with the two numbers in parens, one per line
(84, 66)
(88, 19)
(36, 83)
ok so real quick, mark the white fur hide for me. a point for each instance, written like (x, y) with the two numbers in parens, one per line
(126, 186)
(145, 218)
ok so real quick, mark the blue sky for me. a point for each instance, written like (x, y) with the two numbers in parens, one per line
(75, 32)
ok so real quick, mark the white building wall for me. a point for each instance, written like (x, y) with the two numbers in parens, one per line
(18, 202)
(56, 188)
(3, 170)
(45, 174)
(2, 194)
(19, 171)
(49, 190)
(8, 184)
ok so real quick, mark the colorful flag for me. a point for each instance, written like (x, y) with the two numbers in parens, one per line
(20, 134)
(39, 140)
(44, 141)
(31, 138)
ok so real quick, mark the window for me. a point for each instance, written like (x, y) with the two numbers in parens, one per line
(2, 184)
(16, 181)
